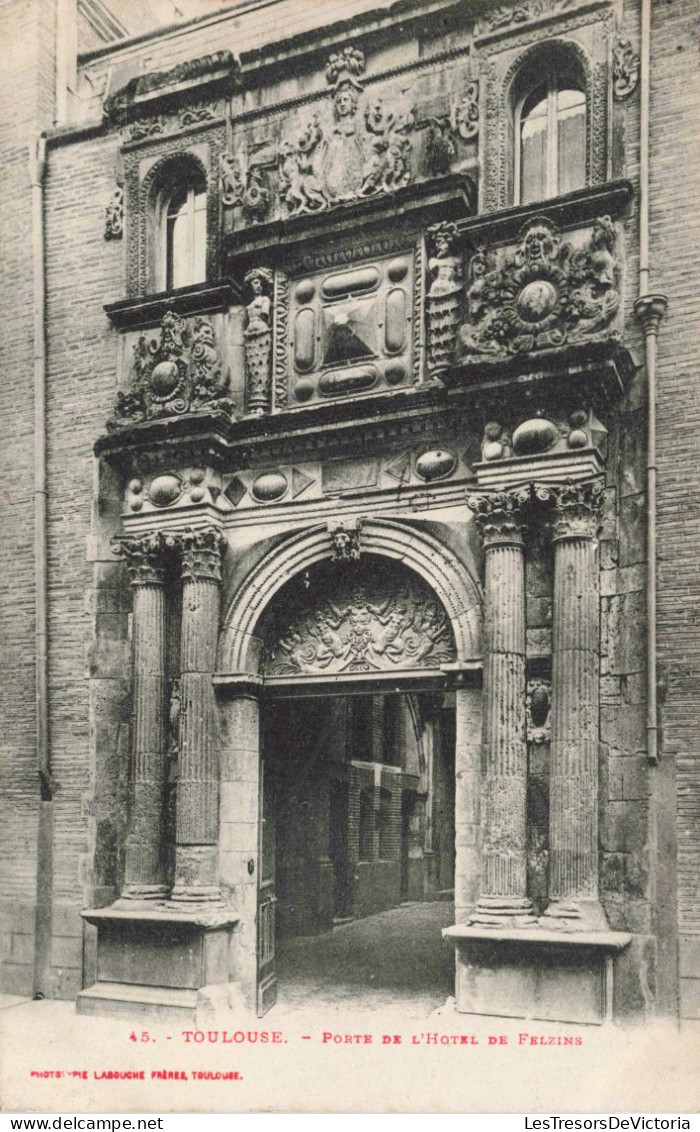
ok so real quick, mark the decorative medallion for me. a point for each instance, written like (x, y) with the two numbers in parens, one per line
(545, 294)
(379, 617)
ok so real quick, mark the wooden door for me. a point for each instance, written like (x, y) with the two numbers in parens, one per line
(267, 976)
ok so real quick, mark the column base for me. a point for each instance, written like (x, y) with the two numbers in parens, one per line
(142, 894)
(574, 916)
(156, 962)
(536, 974)
(191, 896)
(504, 912)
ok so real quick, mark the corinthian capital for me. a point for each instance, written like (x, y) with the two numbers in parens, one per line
(576, 507)
(143, 556)
(201, 551)
(498, 515)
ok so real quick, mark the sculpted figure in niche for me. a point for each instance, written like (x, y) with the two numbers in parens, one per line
(444, 298)
(258, 340)
(344, 158)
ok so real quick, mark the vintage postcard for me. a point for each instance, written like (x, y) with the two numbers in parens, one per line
(350, 597)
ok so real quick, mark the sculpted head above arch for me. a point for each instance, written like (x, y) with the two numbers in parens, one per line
(408, 603)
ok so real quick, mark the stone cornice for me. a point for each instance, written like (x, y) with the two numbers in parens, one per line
(204, 298)
(218, 72)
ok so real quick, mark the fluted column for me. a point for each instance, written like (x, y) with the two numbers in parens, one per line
(573, 801)
(144, 872)
(197, 823)
(503, 900)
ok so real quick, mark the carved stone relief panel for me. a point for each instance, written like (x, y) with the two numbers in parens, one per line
(365, 136)
(355, 614)
(178, 367)
(350, 331)
(544, 292)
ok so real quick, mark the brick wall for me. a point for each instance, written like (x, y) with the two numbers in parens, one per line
(675, 228)
(28, 68)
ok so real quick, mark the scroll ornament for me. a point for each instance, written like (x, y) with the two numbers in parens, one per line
(178, 372)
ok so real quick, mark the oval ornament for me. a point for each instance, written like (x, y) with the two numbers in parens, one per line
(350, 282)
(395, 326)
(536, 300)
(348, 381)
(304, 342)
(269, 487)
(165, 378)
(436, 464)
(534, 436)
(164, 490)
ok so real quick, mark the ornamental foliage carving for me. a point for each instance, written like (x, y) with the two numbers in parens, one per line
(625, 68)
(546, 293)
(577, 507)
(114, 215)
(377, 618)
(498, 515)
(180, 371)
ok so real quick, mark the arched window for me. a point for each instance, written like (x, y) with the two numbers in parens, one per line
(185, 235)
(550, 129)
(178, 224)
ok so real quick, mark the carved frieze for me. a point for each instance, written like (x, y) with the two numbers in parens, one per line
(114, 215)
(177, 372)
(559, 430)
(544, 293)
(374, 618)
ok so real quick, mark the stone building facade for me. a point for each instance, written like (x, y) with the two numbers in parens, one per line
(350, 526)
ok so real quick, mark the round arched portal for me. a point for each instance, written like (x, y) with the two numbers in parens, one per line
(241, 643)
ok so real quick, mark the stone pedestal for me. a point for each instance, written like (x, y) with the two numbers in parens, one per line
(197, 821)
(144, 874)
(536, 974)
(503, 898)
(156, 962)
(573, 825)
